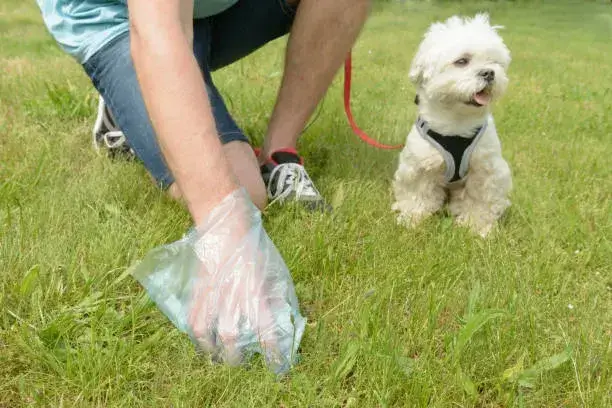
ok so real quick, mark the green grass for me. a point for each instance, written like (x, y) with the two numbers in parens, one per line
(430, 317)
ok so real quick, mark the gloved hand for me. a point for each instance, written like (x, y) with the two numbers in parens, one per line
(226, 285)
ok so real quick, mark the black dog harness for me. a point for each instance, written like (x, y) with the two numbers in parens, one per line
(456, 150)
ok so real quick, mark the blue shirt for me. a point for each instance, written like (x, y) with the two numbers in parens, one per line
(82, 27)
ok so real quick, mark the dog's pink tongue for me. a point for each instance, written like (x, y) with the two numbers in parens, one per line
(483, 98)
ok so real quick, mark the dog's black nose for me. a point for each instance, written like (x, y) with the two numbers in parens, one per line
(487, 74)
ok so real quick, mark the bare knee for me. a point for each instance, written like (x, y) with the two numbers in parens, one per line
(246, 169)
(259, 198)
(258, 195)
(175, 192)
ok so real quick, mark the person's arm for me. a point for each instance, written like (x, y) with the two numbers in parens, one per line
(175, 96)
(230, 285)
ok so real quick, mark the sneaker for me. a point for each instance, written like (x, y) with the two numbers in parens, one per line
(107, 134)
(286, 179)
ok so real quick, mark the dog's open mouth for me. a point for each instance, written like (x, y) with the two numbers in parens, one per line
(481, 98)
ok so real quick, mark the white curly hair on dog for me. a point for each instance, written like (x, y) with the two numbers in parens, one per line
(459, 71)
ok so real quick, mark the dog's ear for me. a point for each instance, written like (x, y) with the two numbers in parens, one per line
(416, 73)
(418, 70)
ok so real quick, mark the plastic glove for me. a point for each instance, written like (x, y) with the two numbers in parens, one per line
(226, 285)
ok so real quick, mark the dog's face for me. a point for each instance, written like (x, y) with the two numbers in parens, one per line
(461, 64)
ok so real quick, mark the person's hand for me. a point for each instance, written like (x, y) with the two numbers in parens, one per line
(227, 286)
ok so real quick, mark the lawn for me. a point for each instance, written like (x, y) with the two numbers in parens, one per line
(428, 317)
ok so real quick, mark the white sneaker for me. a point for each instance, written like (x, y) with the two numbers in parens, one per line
(286, 179)
(107, 134)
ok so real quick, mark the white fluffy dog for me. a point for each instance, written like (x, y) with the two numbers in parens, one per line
(452, 152)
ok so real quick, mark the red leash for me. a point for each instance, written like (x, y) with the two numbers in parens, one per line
(348, 68)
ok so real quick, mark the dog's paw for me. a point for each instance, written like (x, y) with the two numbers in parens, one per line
(411, 213)
(483, 230)
(411, 219)
(477, 226)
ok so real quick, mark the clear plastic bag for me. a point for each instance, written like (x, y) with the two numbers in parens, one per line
(226, 285)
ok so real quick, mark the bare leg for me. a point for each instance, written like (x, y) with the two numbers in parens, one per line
(323, 32)
(244, 166)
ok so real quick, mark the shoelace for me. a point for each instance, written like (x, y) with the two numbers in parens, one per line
(292, 178)
(113, 139)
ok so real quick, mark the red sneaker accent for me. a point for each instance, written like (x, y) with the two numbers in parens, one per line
(289, 150)
(269, 159)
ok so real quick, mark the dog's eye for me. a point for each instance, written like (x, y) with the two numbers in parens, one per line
(461, 62)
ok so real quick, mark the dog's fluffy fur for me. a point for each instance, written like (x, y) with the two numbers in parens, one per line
(455, 99)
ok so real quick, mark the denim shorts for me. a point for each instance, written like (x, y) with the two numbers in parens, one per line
(218, 41)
